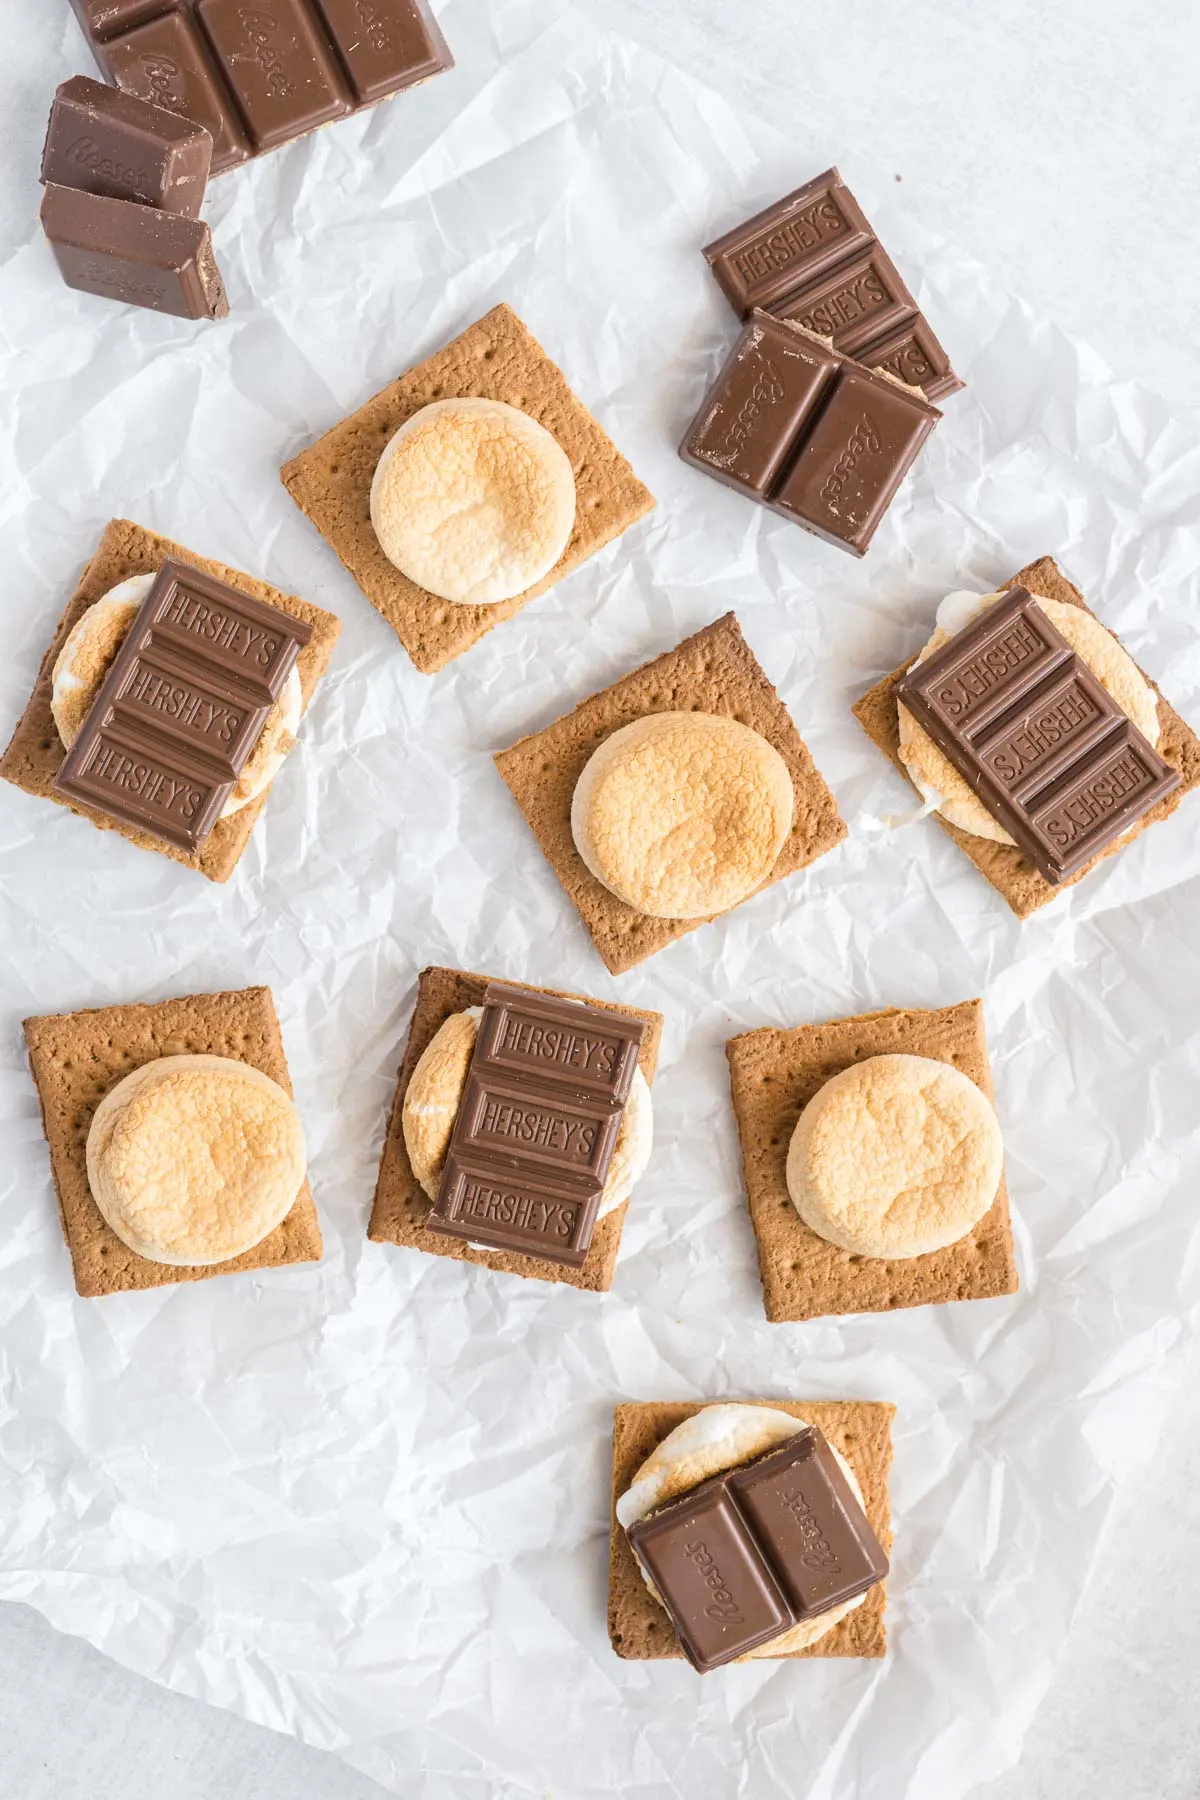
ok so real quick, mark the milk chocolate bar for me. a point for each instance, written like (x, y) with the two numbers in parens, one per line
(801, 428)
(133, 253)
(1046, 748)
(537, 1125)
(182, 707)
(750, 1553)
(107, 142)
(257, 76)
(813, 258)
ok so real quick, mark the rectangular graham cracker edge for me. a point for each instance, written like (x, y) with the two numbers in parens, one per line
(35, 752)
(713, 671)
(494, 359)
(76, 1058)
(774, 1074)
(1003, 864)
(639, 1629)
(401, 1204)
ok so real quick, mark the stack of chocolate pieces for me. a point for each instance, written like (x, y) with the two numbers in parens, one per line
(826, 397)
(124, 181)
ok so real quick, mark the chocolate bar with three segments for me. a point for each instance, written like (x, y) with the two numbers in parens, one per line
(1046, 748)
(801, 428)
(813, 257)
(749, 1553)
(182, 707)
(258, 73)
(104, 141)
(537, 1125)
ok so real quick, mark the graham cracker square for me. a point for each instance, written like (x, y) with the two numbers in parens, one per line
(774, 1074)
(1006, 867)
(78, 1057)
(716, 672)
(639, 1629)
(401, 1203)
(35, 753)
(494, 359)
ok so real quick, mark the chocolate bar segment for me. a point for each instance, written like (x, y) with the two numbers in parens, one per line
(245, 640)
(803, 429)
(801, 1507)
(104, 141)
(167, 62)
(814, 258)
(259, 73)
(386, 45)
(558, 1043)
(704, 1562)
(537, 1125)
(181, 709)
(133, 253)
(851, 462)
(749, 1553)
(278, 63)
(1047, 749)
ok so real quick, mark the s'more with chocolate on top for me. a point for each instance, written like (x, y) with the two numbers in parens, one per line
(522, 1122)
(1032, 735)
(873, 1162)
(175, 1147)
(749, 1529)
(673, 795)
(169, 698)
(465, 489)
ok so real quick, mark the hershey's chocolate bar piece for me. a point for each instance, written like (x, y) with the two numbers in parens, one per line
(1047, 749)
(165, 60)
(750, 1553)
(805, 430)
(182, 706)
(721, 1595)
(279, 64)
(258, 73)
(133, 253)
(105, 141)
(245, 640)
(814, 258)
(800, 1505)
(537, 1125)
(563, 1043)
(495, 1203)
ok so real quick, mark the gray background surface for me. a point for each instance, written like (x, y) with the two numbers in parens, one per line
(1060, 144)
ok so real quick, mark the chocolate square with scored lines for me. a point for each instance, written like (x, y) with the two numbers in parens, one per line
(774, 1073)
(639, 1628)
(401, 1209)
(809, 433)
(714, 671)
(1005, 866)
(35, 753)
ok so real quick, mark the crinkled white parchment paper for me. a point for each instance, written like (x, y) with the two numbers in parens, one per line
(367, 1502)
